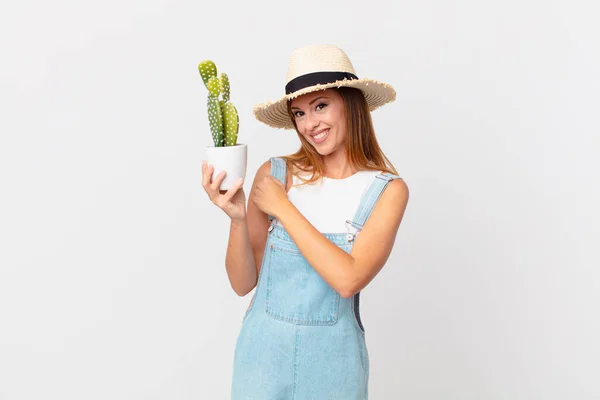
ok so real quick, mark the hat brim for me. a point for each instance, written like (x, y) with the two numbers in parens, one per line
(275, 114)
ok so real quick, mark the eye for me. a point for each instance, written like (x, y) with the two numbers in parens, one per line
(320, 104)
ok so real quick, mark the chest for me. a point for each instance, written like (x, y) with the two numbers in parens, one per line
(329, 204)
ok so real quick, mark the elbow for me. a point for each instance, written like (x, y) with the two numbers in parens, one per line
(349, 289)
(347, 293)
(350, 286)
(242, 290)
(241, 293)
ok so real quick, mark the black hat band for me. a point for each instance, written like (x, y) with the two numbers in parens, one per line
(316, 78)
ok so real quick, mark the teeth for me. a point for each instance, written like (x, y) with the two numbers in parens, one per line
(321, 135)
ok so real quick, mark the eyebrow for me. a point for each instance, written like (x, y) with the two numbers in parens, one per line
(312, 101)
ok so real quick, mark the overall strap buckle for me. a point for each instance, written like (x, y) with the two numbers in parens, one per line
(351, 235)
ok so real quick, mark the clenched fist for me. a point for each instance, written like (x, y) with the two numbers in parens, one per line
(270, 196)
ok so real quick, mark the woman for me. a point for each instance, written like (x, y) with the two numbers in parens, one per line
(298, 241)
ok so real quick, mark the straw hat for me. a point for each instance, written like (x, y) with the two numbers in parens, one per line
(320, 67)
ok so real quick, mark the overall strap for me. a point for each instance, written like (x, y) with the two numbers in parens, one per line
(279, 171)
(367, 203)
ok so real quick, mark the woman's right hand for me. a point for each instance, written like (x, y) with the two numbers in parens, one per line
(232, 201)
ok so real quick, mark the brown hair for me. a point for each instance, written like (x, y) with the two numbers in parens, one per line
(362, 148)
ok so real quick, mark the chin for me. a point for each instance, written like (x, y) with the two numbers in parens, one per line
(324, 151)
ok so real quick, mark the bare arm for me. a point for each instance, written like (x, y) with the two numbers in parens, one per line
(247, 239)
(239, 261)
(347, 273)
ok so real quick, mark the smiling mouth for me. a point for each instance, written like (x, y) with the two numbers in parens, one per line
(321, 136)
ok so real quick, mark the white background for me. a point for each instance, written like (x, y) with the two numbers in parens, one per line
(112, 279)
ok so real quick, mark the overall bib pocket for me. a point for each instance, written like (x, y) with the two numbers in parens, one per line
(296, 293)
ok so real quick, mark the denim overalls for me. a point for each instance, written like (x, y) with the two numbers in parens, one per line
(299, 338)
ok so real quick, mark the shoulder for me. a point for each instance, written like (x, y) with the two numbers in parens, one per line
(265, 170)
(395, 197)
(388, 211)
(397, 189)
(398, 186)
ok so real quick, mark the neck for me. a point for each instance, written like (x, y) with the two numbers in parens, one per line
(337, 166)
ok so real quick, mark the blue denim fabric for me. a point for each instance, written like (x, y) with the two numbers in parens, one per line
(299, 338)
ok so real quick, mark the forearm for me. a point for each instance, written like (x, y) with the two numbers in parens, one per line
(333, 264)
(239, 261)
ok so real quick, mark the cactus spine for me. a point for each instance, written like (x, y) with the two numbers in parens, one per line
(222, 114)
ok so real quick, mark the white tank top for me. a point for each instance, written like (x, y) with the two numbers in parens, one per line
(328, 203)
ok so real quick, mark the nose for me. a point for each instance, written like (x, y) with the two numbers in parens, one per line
(312, 122)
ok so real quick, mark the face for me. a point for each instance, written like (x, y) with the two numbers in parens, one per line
(321, 118)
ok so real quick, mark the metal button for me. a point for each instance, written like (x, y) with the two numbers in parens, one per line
(271, 228)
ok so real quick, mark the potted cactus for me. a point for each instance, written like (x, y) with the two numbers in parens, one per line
(225, 153)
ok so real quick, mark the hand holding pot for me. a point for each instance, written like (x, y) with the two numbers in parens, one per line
(232, 201)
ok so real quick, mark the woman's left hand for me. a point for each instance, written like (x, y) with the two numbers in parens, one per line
(270, 195)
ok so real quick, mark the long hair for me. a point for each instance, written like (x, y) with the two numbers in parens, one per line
(362, 149)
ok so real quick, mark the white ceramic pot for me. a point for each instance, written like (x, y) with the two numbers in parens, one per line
(231, 159)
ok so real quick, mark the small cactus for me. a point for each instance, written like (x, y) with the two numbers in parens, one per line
(224, 85)
(207, 70)
(231, 124)
(222, 115)
(215, 118)
(214, 87)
